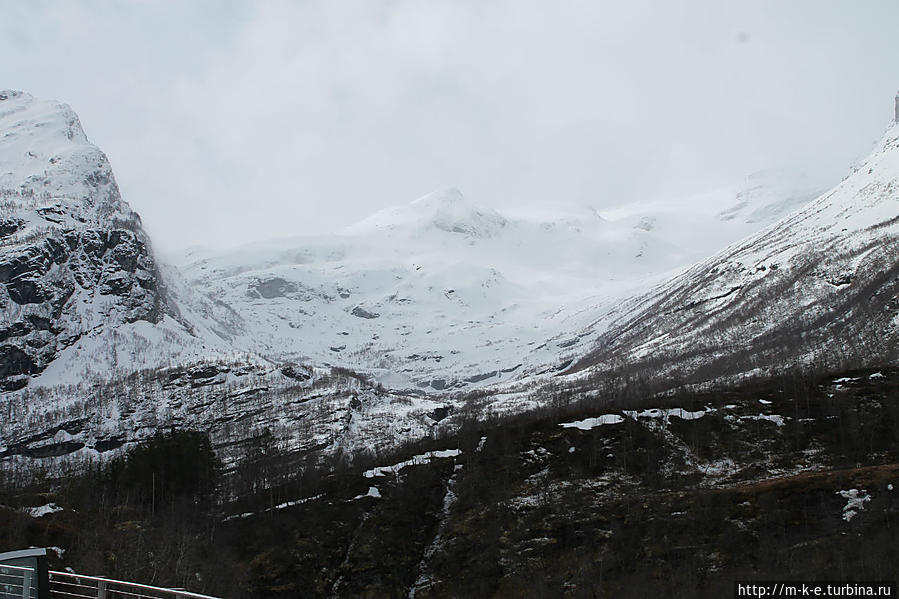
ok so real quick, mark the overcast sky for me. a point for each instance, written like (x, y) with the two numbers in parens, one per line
(228, 122)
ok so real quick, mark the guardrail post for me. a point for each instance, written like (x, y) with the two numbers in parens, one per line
(26, 583)
(101, 589)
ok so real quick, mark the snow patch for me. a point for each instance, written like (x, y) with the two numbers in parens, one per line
(372, 492)
(667, 413)
(589, 423)
(416, 460)
(280, 506)
(855, 502)
(775, 418)
(43, 510)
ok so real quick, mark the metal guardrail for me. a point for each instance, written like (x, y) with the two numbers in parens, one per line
(24, 575)
(17, 582)
(66, 585)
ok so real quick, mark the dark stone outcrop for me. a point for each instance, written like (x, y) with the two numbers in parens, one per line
(45, 284)
(298, 373)
(8, 226)
(360, 312)
(271, 288)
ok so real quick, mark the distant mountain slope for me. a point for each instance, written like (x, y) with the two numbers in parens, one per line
(435, 294)
(819, 287)
(699, 225)
(441, 293)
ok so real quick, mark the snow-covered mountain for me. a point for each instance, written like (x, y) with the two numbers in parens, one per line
(81, 290)
(701, 224)
(820, 287)
(434, 294)
(421, 300)
(73, 257)
(441, 293)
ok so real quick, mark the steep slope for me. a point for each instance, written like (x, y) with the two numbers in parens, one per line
(819, 287)
(80, 290)
(72, 254)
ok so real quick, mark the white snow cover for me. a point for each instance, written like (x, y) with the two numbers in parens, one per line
(589, 423)
(667, 413)
(436, 294)
(43, 510)
(443, 293)
(775, 418)
(855, 502)
(423, 458)
(372, 492)
(53, 180)
(794, 271)
(440, 294)
(50, 174)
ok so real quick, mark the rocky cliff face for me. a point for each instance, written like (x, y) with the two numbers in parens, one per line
(73, 256)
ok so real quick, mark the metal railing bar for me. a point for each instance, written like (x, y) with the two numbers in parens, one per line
(57, 575)
(91, 590)
(72, 594)
(9, 587)
(145, 587)
(139, 595)
(12, 567)
(73, 584)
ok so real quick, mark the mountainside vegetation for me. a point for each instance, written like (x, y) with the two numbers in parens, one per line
(675, 495)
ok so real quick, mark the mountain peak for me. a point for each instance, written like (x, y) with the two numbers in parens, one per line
(445, 210)
(441, 198)
(21, 113)
(50, 174)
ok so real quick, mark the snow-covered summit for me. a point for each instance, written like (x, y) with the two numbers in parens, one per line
(50, 174)
(446, 210)
(433, 293)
